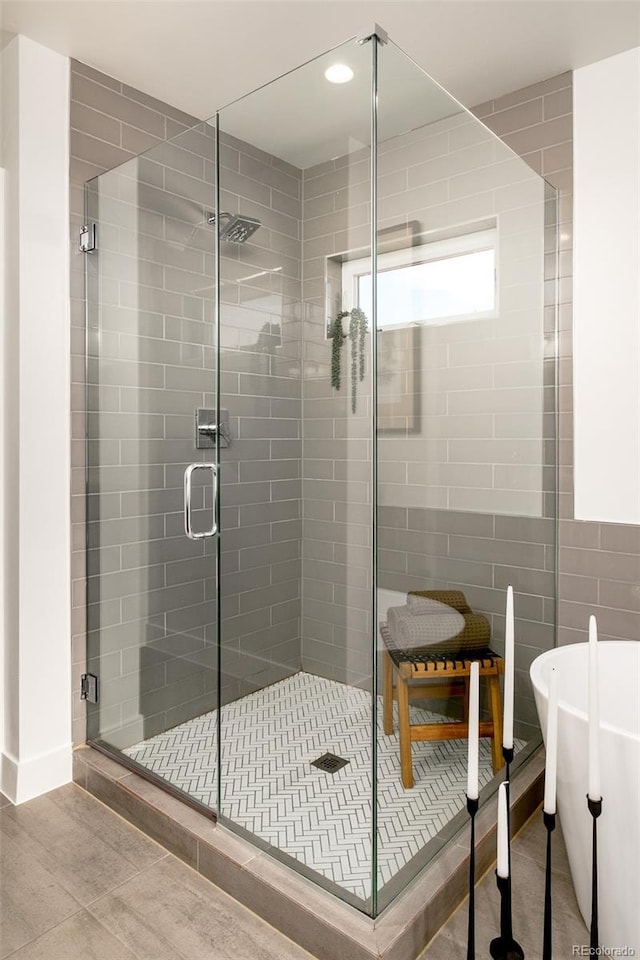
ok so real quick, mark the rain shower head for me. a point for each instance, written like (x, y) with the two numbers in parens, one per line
(234, 228)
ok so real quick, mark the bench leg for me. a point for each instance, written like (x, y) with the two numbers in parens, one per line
(406, 765)
(495, 707)
(387, 694)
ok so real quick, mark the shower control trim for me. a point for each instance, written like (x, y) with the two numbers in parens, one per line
(188, 529)
(209, 425)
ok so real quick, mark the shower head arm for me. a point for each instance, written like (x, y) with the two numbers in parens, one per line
(215, 217)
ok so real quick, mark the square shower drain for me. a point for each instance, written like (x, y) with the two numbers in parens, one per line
(329, 763)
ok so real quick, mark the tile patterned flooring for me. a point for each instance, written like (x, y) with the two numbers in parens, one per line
(270, 788)
(79, 883)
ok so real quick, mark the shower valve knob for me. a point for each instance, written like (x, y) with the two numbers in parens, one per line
(209, 425)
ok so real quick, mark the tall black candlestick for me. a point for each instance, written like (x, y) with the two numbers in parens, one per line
(507, 753)
(505, 947)
(472, 809)
(549, 820)
(595, 809)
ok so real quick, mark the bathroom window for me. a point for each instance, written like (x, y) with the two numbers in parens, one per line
(444, 281)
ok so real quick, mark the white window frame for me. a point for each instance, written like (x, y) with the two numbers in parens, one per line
(472, 242)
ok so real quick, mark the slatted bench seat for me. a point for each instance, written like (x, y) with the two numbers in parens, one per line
(410, 674)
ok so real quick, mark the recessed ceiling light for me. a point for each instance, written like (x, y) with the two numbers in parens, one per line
(339, 73)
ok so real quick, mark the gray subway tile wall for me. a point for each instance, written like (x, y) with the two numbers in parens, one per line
(597, 562)
(475, 450)
(164, 676)
(151, 617)
(297, 500)
(110, 124)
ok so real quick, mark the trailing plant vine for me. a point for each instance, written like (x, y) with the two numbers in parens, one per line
(357, 335)
(336, 346)
(362, 332)
(355, 340)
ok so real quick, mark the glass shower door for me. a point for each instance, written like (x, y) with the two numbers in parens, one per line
(297, 671)
(151, 464)
(466, 492)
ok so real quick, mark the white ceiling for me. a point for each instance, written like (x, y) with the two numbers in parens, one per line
(201, 55)
(306, 120)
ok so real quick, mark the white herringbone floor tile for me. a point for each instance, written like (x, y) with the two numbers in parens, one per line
(270, 788)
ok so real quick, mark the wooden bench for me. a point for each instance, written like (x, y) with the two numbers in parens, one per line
(436, 676)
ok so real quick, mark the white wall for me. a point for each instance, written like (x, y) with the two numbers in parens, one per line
(35, 458)
(3, 405)
(607, 289)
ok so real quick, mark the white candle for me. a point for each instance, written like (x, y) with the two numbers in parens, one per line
(503, 832)
(507, 730)
(594, 714)
(474, 721)
(551, 745)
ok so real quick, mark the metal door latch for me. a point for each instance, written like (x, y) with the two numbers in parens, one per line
(88, 238)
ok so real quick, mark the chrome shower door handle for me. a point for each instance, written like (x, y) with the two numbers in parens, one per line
(191, 469)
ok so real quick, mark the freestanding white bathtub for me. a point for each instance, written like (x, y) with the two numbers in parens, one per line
(619, 824)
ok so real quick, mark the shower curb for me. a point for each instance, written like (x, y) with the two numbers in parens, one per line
(320, 923)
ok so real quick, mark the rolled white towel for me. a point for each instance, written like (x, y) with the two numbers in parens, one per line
(429, 631)
(394, 616)
(420, 606)
(408, 630)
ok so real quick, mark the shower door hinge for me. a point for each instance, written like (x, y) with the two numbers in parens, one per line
(89, 687)
(375, 30)
(88, 238)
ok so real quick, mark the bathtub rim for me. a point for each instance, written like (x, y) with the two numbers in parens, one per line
(542, 687)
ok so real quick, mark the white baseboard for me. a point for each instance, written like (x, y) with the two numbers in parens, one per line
(8, 776)
(23, 780)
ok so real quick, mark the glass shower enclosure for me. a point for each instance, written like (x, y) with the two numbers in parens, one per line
(320, 374)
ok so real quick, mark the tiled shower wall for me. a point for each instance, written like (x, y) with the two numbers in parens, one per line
(336, 457)
(598, 563)
(465, 492)
(110, 123)
(152, 612)
(260, 339)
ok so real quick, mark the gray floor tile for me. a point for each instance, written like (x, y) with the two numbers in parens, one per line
(81, 937)
(528, 907)
(31, 901)
(532, 843)
(145, 908)
(4, 801)
(73, 852)
(171, 912)
(149, 818)
(118, 914)
(447, 947)
(126, 840)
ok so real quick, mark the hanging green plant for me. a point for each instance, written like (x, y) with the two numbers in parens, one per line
(336, 346)
(362, 332)
(354, 330)
(357, 335)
